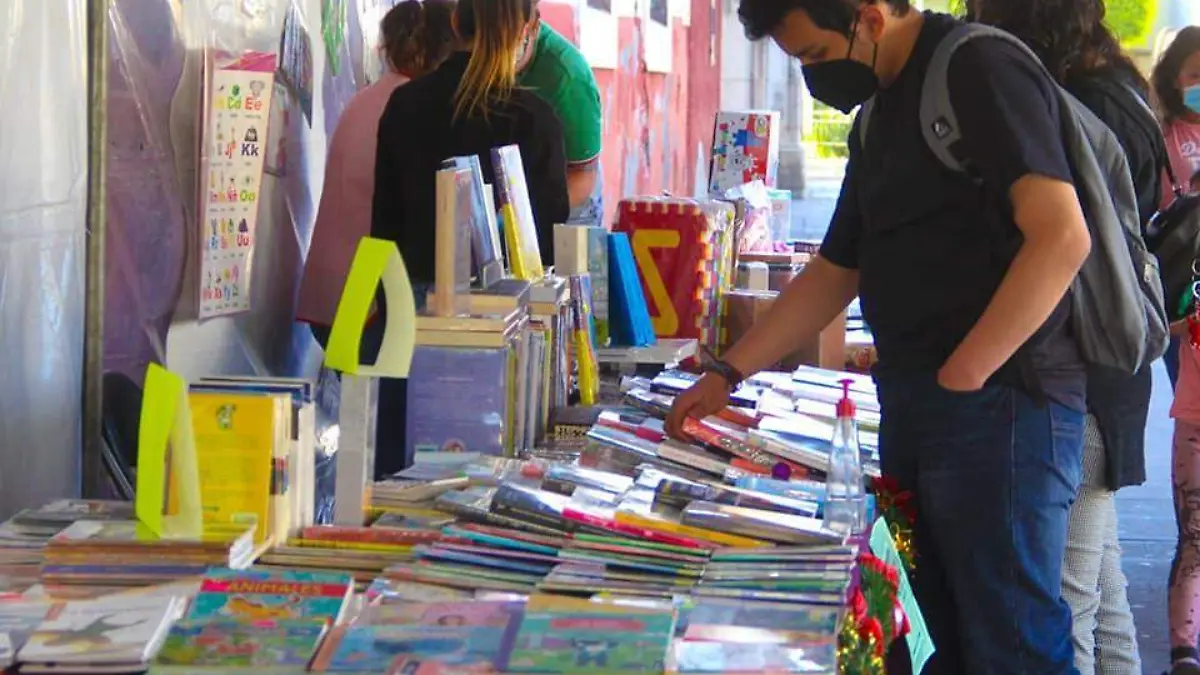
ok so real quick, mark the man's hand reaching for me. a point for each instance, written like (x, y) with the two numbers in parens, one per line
(709, 396)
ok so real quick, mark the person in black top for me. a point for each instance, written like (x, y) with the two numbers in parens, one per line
(468, 106)
(1078, 49)
(964, 287)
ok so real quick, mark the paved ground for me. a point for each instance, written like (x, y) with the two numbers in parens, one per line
(1147, 526)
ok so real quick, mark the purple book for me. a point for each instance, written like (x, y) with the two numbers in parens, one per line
(458, 400)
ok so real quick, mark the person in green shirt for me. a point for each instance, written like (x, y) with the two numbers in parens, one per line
(557, 72)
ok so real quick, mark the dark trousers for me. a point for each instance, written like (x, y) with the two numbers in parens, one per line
(1171, 359)
(994, 475)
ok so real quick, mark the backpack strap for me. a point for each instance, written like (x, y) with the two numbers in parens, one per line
(942, 134)
(939, 124)
(864, 121)
(1160, 143)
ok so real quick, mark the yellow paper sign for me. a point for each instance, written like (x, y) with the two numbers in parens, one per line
(376, 261)
(167, 501)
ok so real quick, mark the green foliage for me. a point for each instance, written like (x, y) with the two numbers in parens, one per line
(1130, 20)
(958, 8)
(829, 131)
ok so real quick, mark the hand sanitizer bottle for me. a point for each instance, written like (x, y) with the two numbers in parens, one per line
(845, 503)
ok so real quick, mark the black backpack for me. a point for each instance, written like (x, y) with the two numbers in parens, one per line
(1173, 234)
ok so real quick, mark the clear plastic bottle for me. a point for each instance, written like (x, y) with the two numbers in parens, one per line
(845, 502)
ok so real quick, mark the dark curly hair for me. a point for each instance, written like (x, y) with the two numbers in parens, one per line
(761, 17)
(417, 36)
(1166, 73)
(1069, 36)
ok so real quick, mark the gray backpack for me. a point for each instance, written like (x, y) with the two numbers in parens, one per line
(1117, 309)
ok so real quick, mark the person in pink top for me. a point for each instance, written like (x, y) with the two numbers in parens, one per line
(1177, 86)
(415, 38)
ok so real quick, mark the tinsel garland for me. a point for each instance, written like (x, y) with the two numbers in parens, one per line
(875, 618)
(899, 511)
(873, 621)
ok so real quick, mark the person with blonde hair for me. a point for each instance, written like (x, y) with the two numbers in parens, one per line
(467, 106)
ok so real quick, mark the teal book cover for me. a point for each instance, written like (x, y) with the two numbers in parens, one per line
(377, 649)
(585, 643)
(262, 595)
(233, 644)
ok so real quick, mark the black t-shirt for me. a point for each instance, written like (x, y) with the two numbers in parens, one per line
(930, 244)
(418, 131)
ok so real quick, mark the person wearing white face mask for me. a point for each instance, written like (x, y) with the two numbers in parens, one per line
(1177, 88)
(1176, 81)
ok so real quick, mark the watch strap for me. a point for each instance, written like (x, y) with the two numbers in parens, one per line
(732, 376)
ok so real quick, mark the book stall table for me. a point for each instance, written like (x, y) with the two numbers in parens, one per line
(615, 550)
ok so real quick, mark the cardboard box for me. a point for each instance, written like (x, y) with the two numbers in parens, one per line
(828, 350)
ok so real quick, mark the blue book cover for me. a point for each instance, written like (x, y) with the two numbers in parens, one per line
(629, 315)
(457, 400)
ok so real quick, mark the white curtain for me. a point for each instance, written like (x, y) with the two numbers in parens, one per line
(43, 200)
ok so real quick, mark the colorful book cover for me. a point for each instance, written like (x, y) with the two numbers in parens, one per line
(379, 649)
(469, 613)
(485, 239)
(520, 232)
(389, 591)
(232, 644)
(235, 446)
(457, 400)
(17, 622)
(123, 630)
(258, 595)
(818, 658)
(573, 638)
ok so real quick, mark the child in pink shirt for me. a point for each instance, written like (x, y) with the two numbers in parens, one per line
(1177, 86)
(416, 37)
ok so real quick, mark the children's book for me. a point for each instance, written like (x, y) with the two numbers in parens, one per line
(447, 614)
(520, 232)
(398, 649)
(258, 595)
(17, 622)
(393, 591)
(108, 632)
(243, 443)
(234, 647)
(561, 635)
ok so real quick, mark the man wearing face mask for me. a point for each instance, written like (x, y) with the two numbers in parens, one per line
(963, 284)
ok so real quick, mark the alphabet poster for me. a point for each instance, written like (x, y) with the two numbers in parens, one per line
(235, 142)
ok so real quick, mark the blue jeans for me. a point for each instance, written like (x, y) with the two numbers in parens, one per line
(994, 475)
(591, 212)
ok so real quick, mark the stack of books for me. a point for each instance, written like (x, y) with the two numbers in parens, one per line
(23, 537)
(363, 552)
(127, 553)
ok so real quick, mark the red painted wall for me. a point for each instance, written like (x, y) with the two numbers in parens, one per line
(654, 123)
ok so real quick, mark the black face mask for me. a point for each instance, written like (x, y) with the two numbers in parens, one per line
(843, 84)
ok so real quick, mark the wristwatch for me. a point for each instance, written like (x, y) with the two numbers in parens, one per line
(732, 376)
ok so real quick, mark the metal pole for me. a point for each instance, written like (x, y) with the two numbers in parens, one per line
(97, 216)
